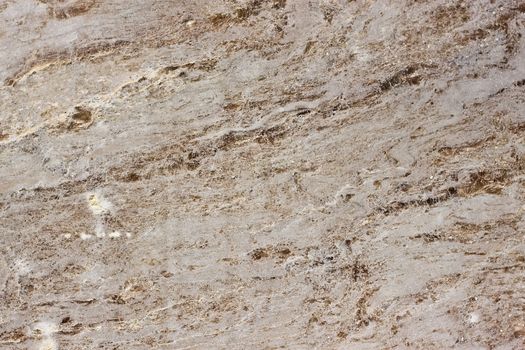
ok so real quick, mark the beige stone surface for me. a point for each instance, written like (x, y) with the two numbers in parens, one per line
(328, 174)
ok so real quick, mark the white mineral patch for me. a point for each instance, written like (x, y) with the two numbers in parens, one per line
(48, 344)
(45, 331)
(98, 204)
(45, 328)
(99, 229)
(474, 317)
(22, 267)
(84, 236)
(115, 234)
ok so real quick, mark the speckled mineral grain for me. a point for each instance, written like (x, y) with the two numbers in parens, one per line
(262, 174)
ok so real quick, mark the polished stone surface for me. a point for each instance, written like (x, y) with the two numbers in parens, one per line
(327, 174)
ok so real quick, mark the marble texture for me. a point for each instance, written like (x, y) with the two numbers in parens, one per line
(328, 174)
